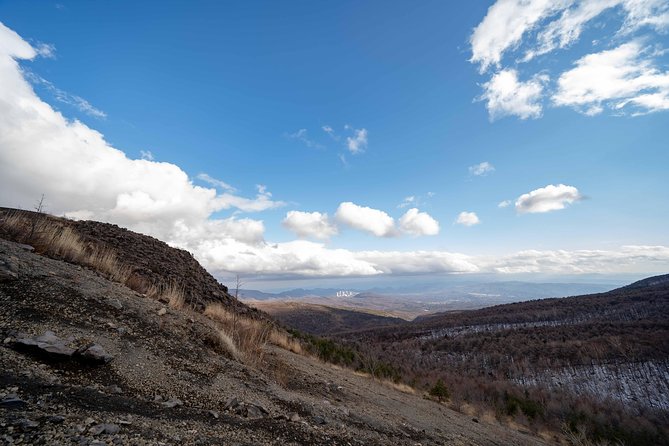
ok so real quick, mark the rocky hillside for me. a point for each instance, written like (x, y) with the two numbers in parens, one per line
(151, 262)
(84, 359)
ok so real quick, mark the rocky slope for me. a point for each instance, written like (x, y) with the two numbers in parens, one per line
(168, 381)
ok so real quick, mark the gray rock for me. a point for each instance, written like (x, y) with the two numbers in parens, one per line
(125, 421)
(320, 420)
(115, 303)
(172, 402)
(12, 401)
(55, 419)
(47, 344)
(113, 389)
(162, 311)
(95, 354)
(294, 417)
(26, 425)
(25, 247)
(104, 428)
(214, 414)
(7, 275)
(231, 403)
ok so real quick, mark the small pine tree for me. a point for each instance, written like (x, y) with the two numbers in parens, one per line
(440, 391)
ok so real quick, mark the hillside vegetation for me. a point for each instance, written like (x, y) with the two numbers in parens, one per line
(595, 365)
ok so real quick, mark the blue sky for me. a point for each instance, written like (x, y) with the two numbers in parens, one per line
(574, 113)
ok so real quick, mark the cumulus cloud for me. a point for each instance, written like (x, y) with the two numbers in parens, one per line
(310, 224)
(481, 169)
(418, 223)
(366, 219)
(358, 142)
(468, 219)
(505, 95)
(618, 78)
(546, 199)
(41, 151)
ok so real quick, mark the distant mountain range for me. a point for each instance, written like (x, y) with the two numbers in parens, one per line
(409, 302)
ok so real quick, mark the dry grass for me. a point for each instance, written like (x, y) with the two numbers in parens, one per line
(226, 344)
(400, 387)
(286, 342)
(248, 335)
(54, 238)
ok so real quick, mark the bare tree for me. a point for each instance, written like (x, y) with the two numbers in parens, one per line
(239, 283)
(40, 205)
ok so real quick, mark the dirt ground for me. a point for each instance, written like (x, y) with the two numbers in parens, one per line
(169, 384)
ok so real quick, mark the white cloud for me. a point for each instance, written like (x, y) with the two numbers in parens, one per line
(212, 181)
(618, 78)
(408, 201)
(504, 204)
(66, 98)
(418, 223)
(43, 152)
(358, 142)
(481, 169)
(505, 95)
(146, 155)
(419, 262)
(526, 29)
(468, 219)
(624, 259)
(559, 23)
(310, 224)
(262, 201)
(366, 219)
(546, 199)
(46, 50)
(303, 136)
(331, 132)
(504, 26)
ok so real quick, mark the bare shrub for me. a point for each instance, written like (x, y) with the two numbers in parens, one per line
(227, 344)
(249, 335)
(285, 341)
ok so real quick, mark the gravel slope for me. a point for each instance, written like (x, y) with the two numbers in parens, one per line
(168, 384)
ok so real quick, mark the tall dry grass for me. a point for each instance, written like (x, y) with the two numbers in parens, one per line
(54, 238)
(250, 336)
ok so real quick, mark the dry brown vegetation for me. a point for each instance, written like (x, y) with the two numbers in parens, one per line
(55, 238)
(52, 237)
(248, 336)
